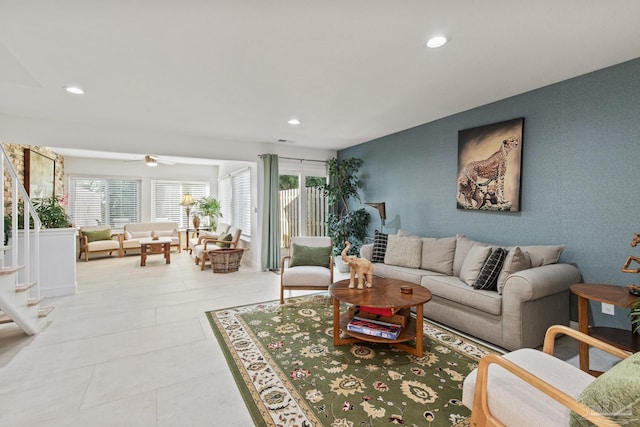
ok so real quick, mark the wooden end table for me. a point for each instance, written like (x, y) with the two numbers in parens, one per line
(162, 245)
(385, 293)
(609, 294)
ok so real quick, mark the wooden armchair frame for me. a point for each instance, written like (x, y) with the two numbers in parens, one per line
(84, 246)
(481, 415)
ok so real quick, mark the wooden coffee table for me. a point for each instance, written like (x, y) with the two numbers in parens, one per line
(385, 293)
(162, 245)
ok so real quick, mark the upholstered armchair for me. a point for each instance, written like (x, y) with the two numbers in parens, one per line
(94, 239)
(309, 266)
(209, 243)
(528, 387)
(194, 241)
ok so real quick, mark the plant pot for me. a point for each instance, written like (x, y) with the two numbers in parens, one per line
(341, 266)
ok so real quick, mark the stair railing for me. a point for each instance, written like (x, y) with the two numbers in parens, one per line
(31, 271)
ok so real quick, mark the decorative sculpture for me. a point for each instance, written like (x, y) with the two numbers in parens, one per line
(361, 266)
(625, 268)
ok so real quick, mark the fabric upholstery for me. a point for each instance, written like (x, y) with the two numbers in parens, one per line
(488, 278)
(615, 393)
(473, 263)
(413, 275)
(463, 246)
(223, 238)
(306, 276)
(310, 255)
(543, 255)
(455, 290)
(379, 246)
(96, 235)
(138, 234)
(104, 245)
(437, 254)
(403, 251)
(515, 261)
(164, 233)
(516, 403)
(310, 275)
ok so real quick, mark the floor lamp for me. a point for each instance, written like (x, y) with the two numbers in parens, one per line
(187, 201)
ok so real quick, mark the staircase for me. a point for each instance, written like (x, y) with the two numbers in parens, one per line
(20, 299)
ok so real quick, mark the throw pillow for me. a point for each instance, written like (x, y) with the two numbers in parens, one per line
(515, 261)
(223, 238)
(403, 251)
(615, 394)
(463, 246)
(437, 254)
(488, 278)
(310, 255)
(405, 233)
(543, 255)
(473, 263)
(95, 235)
(379, 247)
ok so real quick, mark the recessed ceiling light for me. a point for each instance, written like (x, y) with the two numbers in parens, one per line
(294, 122)
(437, 41)
(74, 90)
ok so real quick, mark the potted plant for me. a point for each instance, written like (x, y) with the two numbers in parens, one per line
(210, 207)
(345, 224)
(634, 315)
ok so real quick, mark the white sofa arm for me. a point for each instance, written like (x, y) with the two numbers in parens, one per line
(366, 251)
(535, 283)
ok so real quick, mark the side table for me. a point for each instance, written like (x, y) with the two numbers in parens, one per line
(609, 294)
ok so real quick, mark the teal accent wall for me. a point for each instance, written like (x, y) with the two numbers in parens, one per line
(580, 176)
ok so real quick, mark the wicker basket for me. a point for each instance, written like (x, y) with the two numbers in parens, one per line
(225, 260)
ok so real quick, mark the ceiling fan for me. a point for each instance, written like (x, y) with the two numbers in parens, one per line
(152, 160)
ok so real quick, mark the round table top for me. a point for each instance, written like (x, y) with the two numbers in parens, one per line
(150, 240)
(385, 293)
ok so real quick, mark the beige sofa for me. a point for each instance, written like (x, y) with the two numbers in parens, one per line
(532, 287)
(135, 231)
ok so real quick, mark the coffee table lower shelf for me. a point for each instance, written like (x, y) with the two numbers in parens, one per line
(408, 333)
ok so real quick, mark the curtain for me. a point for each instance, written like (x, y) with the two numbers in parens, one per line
(270, 224)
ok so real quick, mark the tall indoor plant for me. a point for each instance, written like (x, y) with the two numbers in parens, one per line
(345, 223)
(210, 206)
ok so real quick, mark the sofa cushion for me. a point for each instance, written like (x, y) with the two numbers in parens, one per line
(543, 255)
(103, 245)
(96, 235)
(137, 234)
(403, 251)
(413, 275)
(164, 233)
(515, 261)
(311, 255)
(463, 246)
(437, 254)
(379, 247)
(453, 289)
(488, 278)
(473, 263)
(615, 394)
(405, 233)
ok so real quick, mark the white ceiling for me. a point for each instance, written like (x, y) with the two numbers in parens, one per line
(233, 72)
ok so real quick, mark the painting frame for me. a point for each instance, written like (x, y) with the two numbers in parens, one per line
(39, 175)
(490, 167)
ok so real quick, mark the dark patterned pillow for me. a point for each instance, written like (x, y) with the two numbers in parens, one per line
(379, 247)
(488, 278)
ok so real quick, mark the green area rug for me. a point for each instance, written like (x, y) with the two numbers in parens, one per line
(290, 374)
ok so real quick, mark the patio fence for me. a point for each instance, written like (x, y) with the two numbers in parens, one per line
(316, 214)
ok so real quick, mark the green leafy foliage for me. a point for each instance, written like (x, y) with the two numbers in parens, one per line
(51, 213)
(634, 314)
(210, 206)
(344, 224)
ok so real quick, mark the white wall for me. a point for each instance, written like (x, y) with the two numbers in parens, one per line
(138, 170)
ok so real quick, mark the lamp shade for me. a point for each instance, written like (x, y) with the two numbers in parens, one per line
(187, 200)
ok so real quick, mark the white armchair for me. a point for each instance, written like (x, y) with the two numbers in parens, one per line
(309, 265)
(528, 387)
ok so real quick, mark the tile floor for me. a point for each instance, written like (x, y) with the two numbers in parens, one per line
(133, 348)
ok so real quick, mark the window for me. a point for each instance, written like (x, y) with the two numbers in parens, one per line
(166, 197)
(104, 201)
(234, 193)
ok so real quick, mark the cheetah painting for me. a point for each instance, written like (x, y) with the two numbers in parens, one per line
(489, 164)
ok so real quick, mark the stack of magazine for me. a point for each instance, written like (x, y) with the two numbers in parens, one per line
(374, 327)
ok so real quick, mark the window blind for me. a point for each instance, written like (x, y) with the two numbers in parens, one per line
(234, 193)
(104, 201)
(166, 197)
